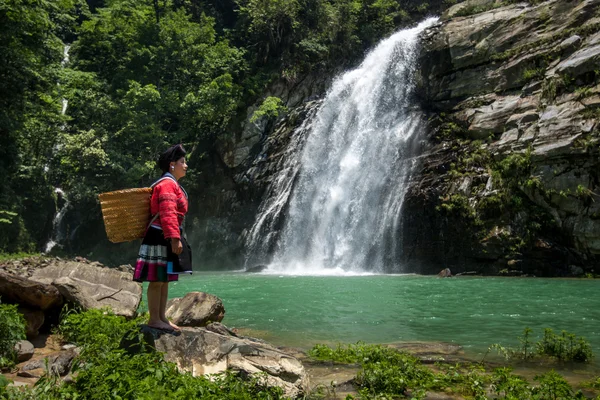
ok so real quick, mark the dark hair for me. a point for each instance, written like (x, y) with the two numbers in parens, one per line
(173, 153)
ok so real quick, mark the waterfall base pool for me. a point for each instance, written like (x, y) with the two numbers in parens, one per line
(473, 312)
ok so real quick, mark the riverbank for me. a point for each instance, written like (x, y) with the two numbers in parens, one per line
(435, 320)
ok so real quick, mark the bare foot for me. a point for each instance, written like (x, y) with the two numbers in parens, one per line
(161, 325)
(172, 325)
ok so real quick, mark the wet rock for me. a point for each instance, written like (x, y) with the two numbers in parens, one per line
(195, 309)
(257, 268)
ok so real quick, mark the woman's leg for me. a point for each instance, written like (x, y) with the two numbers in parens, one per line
(164, 296)
(154, 305)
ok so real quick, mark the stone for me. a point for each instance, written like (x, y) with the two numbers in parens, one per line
(256, 268)
(570, 44)
(28, 292)
(221, 329)
(24, 350)
(445, 273)
(576, 270)
(195, 309)
(34, 373)
(201, 352)
(90, 286)
(580, 62)
(34, 320)
(58, 362)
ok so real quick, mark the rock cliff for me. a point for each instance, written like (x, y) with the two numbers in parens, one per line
(511, 178)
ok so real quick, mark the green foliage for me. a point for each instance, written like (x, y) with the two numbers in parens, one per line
(97, 331)
(12, 329)
(103, 371)
(565, 347)
(16, 256)
(389, 374)
(270, 108)
(6, 217)
(552, 386)
(385, 371)
(142, 76)
(508, 386)
(531, 74)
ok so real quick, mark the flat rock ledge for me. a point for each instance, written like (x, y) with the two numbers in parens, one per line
(202, 351)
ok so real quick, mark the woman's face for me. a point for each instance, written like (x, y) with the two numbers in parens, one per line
(178, 168)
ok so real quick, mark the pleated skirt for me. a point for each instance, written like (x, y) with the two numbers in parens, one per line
(155, 252)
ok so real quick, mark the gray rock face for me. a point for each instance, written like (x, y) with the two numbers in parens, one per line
(90, 286)
(24, 291)
(202, 352)
(522, 78)
(195, 309)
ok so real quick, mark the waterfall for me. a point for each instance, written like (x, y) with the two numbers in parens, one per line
(343, 195)
(63, 64)
(57, 233)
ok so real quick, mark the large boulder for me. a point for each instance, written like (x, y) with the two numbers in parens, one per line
(195, 309)
(34, 319)
(90, 286)
(201, 352)
(21, 290)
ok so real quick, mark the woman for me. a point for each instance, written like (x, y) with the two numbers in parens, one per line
(162, 246)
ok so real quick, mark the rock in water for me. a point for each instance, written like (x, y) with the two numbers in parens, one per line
(195, 309)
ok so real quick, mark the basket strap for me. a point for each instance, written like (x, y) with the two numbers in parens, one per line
(152, 220)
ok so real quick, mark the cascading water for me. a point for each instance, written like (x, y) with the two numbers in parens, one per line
(58, 234)
(343, 212)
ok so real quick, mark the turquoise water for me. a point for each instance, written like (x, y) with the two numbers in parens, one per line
(473, 312)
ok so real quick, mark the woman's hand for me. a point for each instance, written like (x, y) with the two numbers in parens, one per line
(176, 246)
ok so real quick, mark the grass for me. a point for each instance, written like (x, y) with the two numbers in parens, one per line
(17, 256)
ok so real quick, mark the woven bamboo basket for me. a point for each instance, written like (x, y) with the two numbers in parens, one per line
(126, 213)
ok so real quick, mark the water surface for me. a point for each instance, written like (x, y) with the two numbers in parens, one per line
(471, 311)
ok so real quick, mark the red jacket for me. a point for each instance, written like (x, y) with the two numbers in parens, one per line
(170, 200)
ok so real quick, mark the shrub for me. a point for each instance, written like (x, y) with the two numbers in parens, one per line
(104, 371)
(509, 386)
(96, 331)
(385, 371)
(12, 329)
(552, 386)
(565, 347)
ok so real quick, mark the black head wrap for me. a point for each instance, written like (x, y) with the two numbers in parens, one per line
(173, 153)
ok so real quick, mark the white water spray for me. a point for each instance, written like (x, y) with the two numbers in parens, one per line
(344, 210)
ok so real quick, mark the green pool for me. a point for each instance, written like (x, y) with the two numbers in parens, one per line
(473, 312)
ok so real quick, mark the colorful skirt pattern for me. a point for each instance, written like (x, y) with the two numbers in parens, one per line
(155, 253)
